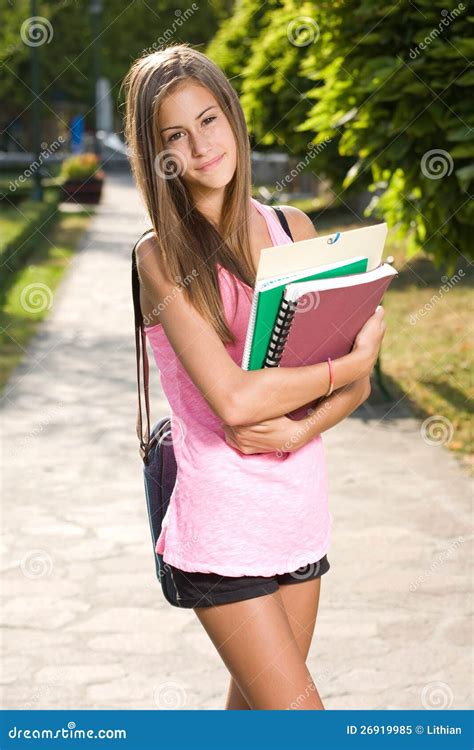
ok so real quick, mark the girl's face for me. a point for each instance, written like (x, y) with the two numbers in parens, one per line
(195, 131)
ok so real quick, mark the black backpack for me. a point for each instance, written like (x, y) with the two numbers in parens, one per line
(156, 447)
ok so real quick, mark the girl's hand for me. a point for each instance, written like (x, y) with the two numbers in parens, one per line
(280, 434)
(369, 338)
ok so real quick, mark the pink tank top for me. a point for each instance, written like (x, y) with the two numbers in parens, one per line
(232, 513)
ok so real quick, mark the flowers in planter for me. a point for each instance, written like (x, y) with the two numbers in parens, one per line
(81, 167)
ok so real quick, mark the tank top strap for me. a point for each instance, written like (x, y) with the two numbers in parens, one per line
(275, 229)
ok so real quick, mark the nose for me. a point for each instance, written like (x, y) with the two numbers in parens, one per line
(200, 144)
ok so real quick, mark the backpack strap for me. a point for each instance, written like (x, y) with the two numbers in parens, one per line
(142, 359)
(283, 221)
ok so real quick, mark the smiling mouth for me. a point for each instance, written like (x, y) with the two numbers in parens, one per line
(213, 163)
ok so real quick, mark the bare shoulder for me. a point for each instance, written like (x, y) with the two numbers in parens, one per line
(146, 246)
(149, 262)
(302, 228)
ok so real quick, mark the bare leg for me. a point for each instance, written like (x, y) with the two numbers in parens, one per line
(301, 602)
(256, 642)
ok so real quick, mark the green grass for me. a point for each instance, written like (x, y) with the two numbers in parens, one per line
(427, 350)
(24, 306)
(14, 219)
(427, 358)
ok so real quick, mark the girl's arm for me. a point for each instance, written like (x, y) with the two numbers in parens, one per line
(332, 410)
(284, 435)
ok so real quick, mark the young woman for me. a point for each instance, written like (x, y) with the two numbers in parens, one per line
(248, 526)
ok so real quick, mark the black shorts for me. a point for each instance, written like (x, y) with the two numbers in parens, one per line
(208, 589)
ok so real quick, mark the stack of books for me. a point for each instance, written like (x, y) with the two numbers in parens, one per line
(312, 297)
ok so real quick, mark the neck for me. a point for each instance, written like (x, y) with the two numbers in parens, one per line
(210, 203)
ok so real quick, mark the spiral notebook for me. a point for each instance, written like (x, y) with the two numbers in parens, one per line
(321, 318)
(266, 302)
(337, 254)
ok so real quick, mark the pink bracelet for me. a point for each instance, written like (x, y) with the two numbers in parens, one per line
(331, 380)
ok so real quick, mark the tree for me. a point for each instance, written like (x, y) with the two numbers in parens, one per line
(264, 50)
(396, 95)
(66, 56)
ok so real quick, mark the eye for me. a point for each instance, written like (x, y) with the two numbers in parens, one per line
(206, 119)
(171, 138)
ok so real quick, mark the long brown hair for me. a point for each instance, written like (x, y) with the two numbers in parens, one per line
(189, 244)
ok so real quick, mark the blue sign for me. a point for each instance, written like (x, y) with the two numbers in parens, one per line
(77, 134)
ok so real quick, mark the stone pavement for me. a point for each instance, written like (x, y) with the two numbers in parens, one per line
(86, 625)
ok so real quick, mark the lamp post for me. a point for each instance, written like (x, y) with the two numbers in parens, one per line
(37, 191)
(96, 8)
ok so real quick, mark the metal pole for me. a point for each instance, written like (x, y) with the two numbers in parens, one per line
(96, 8)
(37, 191)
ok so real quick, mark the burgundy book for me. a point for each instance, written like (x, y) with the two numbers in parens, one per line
(321, 318)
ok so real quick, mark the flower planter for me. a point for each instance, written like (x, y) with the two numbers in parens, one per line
(86, 190)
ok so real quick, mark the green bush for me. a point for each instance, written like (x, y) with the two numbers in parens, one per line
(396, 96)
(386, 89)
(264, 49)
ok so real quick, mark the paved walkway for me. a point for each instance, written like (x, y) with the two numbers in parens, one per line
(86, 625)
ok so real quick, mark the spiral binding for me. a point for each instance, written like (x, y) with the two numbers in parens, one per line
(281, 329)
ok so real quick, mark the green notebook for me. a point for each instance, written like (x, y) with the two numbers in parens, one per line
(266, 302)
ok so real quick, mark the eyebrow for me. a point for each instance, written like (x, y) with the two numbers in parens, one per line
(172, 127)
